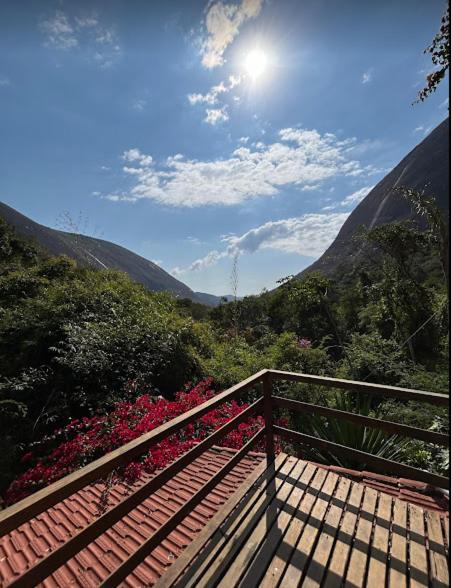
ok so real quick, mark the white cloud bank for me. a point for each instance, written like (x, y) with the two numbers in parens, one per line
(301, 159)
(308, 235)
(222, 24)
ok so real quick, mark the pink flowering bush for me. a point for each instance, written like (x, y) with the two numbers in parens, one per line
(85, 440)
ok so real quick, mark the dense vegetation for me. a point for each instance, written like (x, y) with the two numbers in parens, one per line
(75, 342)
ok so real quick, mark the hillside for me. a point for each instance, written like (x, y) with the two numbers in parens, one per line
(426, 167)
(102, 254)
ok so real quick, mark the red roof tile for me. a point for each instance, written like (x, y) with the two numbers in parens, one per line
(33, 540)
(412, 491)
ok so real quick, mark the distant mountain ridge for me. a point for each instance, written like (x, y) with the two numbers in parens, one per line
(101, 254)
(426, 167)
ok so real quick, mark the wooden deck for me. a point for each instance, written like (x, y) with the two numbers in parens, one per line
(295, 524)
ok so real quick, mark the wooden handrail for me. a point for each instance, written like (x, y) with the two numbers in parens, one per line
(378, 389)
(31, 506)
(380, 463)
(26, 509)
(388, 426)
(77, 542)
(146, 548)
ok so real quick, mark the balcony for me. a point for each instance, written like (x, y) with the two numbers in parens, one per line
(217, 517)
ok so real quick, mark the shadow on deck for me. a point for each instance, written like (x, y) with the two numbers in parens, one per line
(301, 525)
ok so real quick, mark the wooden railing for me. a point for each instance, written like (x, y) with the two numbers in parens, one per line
(31, 506)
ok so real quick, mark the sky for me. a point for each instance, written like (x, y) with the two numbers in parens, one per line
(195, 133)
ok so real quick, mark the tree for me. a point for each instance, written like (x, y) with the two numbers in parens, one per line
(438, 228)
(439, 49)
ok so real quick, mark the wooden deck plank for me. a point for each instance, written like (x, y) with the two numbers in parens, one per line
(256, 481)
(285, 549)
(242, 562)
(357, 567)
(445, 525)
(219, 559)
(337, 565)
(300, 557)
(419, 577)
(398, 552)
(318, 563)
(437, 556)
(277, 531)
(377, 568)
(306, 526)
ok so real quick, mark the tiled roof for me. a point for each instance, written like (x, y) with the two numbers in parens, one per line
(26, 545)
(412, 491)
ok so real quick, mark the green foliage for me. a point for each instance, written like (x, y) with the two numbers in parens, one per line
(351, 435)
(439, 50)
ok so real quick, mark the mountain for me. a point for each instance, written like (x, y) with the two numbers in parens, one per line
(97, 253)
(212, 300)
(426, 167)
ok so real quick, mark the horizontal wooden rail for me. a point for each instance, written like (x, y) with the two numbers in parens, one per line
(389, 426)
(378, 389)
(31, 506)
(116, 577)
(380, 463)
(57, 558)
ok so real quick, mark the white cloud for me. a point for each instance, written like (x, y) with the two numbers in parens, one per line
(65, 32)
(422, 129)
(300, 158)
(308, 235)
(211, 97)
(4, 82)
(367, 76)
(135, 156)
(444, 104)
(357, 196)
(216, 115)
(59, 32)
(222, 24)
(200, 264)
(139, 104)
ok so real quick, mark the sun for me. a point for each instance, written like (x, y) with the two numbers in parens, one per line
(255, 63)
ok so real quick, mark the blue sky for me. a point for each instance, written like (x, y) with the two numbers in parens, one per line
(194, 131)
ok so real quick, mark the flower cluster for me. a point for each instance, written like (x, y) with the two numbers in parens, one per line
(85, 440)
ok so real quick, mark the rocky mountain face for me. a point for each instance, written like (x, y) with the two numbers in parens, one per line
(97, 253)
(426, 168)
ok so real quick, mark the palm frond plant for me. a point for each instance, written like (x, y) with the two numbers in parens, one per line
(349, 434)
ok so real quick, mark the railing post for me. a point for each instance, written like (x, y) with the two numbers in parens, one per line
(268, 415)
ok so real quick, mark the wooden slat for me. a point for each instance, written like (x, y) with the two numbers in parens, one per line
(336, 568)
(329, 530)
(216, 530)
(398, 552)
(419, 577)
(29, 507)
(238, 533)
(58, 557)
(243, 562)
(380, 463)
(270, 538)
(300, 556)
(437, 557)
(377, 569)
(285, 550)
(268, 415)
(356, 572)
(364, 421)
(377, 389)
(147, 547)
